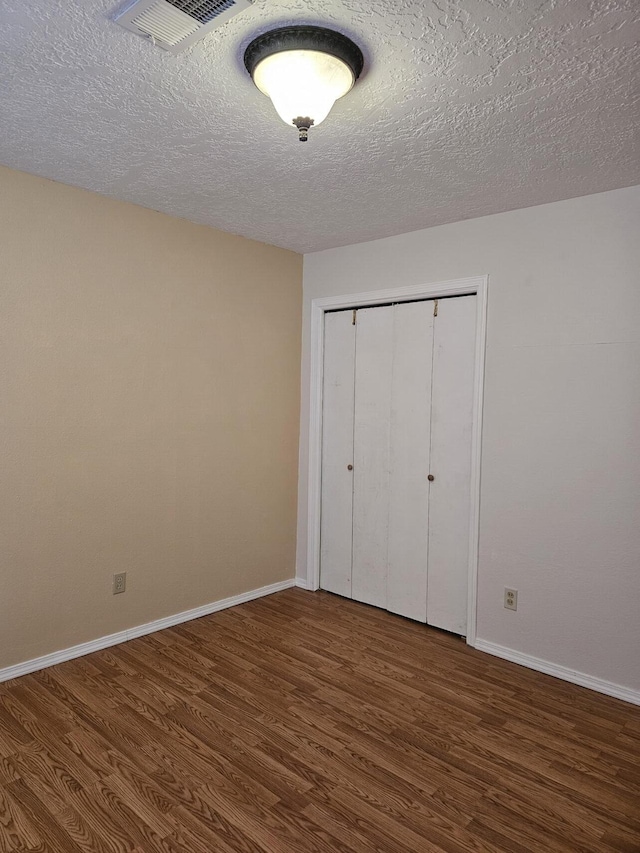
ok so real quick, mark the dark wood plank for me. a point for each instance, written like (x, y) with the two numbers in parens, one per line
(306, 723)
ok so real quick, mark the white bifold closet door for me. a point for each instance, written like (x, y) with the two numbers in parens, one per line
(397, 407)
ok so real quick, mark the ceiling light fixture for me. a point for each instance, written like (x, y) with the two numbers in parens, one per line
(304, 70)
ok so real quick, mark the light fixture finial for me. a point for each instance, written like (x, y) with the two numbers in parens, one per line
(303, 125)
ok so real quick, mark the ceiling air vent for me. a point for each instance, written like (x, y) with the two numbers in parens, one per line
(176, 24)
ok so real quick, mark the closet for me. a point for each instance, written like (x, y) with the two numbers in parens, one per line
(396, 457)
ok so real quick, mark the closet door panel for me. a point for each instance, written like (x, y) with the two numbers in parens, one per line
(374, 338)
(449, 493)
(337, 453)
(409, 460)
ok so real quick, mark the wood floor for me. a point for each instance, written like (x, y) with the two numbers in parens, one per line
(305, 722)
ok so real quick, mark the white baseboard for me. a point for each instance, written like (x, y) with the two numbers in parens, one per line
(140, 630)
(563, 672)
(302, 583)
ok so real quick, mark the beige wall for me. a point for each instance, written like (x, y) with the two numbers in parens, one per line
(150, 372)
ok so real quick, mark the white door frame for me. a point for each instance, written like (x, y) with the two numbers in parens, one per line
(477, 285)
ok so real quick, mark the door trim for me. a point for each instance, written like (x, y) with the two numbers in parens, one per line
(477, 285)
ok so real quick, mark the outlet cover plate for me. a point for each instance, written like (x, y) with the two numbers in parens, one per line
(510, 598)
(119, 582)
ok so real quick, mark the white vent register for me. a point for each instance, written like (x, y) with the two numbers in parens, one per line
(177, 24)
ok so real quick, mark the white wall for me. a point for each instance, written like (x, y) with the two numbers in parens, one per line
(560, 496)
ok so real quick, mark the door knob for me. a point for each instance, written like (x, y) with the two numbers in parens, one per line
(431, 478)
(349, 467)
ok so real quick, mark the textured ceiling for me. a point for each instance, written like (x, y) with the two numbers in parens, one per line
(466, 107)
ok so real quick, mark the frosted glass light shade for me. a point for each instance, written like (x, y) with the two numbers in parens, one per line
(304, 70)
(303, 83)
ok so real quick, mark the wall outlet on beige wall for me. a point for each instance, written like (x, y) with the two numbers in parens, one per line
(119, 582)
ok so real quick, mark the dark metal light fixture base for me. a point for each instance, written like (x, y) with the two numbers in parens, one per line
(304, 38)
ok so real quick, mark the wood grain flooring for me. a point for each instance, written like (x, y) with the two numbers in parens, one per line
(304, 722)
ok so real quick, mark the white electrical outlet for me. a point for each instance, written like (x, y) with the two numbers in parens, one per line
(119, 582)
(511, 598)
